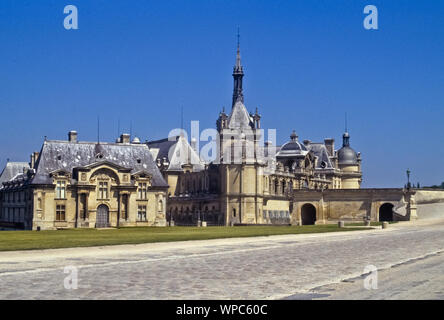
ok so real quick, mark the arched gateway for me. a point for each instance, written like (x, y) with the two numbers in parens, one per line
(308, 214)
(386, 212)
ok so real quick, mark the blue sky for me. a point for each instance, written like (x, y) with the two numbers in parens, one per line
(306, 64)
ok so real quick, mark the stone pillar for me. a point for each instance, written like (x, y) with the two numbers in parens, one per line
(119, 206)
(128, 195)
(77, 218)
(411, 208)
(87, 206)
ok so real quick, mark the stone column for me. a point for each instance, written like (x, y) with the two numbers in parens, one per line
(119, 208)
(87, 206)
(411, 207)
(77, 209)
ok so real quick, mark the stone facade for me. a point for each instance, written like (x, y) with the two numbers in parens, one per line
(330, 206)
(72, 184)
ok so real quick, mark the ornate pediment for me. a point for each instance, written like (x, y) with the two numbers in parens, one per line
(142, 175)
(104, 163)
(60, 174)
(104, 174)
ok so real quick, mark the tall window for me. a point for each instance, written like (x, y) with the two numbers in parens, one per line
(141, 213)
(61, 190)
(103, 190)
(60, 213)
(143, 189)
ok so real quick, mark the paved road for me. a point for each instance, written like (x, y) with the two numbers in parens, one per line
(409, 258)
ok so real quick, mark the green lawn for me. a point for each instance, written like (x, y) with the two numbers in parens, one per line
(31, 240)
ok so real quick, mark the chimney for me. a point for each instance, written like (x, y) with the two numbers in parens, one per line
(330, 145)
(125, 138)
(34, 157)
(72, 136)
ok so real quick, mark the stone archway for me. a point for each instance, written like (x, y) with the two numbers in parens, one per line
(386, 212)
(308, 214)
(102, 216)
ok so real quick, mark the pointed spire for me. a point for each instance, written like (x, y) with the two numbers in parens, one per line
(238, 66)
(346, 135)
(238, 74)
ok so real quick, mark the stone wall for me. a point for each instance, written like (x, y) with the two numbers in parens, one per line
(428, 196)
(352, 205)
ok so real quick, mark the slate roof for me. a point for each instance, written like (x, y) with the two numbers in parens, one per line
(12, 170)
(292, 148)
(347, 155)
(239, 117)
(160, 148)
(64, 155)
(320, 151)
(178, 152)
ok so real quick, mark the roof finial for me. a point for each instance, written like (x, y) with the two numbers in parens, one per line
(346, 122)
(238, 58)
(98, 129)
(181, 122)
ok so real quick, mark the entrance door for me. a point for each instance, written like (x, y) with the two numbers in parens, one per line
(102, 217)
(386, 212)
(308, 214)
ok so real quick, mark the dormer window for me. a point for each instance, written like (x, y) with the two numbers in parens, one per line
(61, 190)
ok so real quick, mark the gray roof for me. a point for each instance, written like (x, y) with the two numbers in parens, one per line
(320, 151)
(162, 147)
(347, 155)
(178, 152)
(292, 148)
(239, 117)
(64, 155)
(12, 170)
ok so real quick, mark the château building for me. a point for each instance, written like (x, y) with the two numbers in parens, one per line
(250, 183)
(75, 184)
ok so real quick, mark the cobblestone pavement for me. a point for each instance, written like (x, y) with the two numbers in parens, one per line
(295, 266)
(416, 279)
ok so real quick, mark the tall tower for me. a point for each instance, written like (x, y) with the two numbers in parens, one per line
(241, 166)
